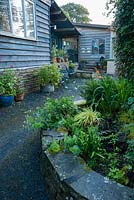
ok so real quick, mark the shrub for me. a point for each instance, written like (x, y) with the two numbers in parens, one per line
(52, 114)
(123, 26)
(71, 64)
(7, 82)
(87, 143)
(87, 117)
(90, 143)
(107, 95)
(49, 74)
(54, 147)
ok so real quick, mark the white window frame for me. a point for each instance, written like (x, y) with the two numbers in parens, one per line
(11, 33)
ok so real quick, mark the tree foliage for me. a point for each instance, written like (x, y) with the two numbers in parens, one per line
(76, 13)
(124, 26)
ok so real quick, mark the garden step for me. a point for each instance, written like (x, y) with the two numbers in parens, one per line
(80, 102)
(84, 73)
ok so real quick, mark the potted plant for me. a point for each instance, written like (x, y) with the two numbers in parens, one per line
(82, 64)
(49, 76)
(7, 87)
(59, 55)
(66, 57)
(19, 95)
(103, 63)
(19, 86)
(71, 67)
(53, 54)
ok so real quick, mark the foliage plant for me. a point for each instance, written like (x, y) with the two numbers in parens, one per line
(118, 175)
(49, 75)
(87, 117)
(19, 86)
(71, 144)
(127, 122)
(90, 144)
(124, 43)
(105, 152)
(107, 95)
(52, 114)
(87, 143)
(54, 147)
(71, 65)
(131, 103)
(53, 51)
(59, 53)
(103, 62)
(76, 13)
(7, 82)
(129, 155)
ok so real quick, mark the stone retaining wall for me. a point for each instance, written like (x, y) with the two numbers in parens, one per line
(67, 178)
(29, 78)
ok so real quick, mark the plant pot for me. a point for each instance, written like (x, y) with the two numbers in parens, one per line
(47, 88)
(19, 97)
(53, 59)
(66, 59)
(58, 60)
(6, 101)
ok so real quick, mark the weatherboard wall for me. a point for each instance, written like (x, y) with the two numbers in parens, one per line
(85, 43)
(24, 53)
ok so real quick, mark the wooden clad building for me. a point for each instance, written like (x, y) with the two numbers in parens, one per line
(25, 38)
(28, 29)
(94, 42)
(24, 33)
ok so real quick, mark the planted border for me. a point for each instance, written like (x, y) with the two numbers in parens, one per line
(67, 177)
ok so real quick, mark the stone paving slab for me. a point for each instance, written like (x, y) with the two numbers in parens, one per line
(20, 177)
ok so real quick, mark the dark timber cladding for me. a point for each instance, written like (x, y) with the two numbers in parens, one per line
(63, 26)
(90, 35)
(22, 52)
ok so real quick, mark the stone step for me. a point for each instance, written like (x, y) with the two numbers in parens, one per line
(80, 102)
(84, 73)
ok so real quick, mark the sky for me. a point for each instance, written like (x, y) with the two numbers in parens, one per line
(96, 9)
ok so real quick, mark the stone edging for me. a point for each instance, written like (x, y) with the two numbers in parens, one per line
(66, 177)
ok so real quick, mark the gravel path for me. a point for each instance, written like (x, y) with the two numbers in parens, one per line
(20, 177)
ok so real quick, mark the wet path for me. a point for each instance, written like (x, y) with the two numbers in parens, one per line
(20, 177)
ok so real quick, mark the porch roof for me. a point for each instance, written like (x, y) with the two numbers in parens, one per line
(96, 26)
(61, 23)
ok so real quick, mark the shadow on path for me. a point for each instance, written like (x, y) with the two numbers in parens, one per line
(20, 177)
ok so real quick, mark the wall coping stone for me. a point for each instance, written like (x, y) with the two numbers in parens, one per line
(73, 181)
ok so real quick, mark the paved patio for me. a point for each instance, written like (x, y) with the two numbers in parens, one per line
(20, 174)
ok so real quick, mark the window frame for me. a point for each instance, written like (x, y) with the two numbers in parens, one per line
(98, 54)
(11, 33)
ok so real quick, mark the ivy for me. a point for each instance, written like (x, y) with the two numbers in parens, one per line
(124, 27)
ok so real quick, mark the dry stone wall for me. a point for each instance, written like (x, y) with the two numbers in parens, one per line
(67, 178)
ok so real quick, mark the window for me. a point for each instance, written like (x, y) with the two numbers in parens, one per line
(17, 17)
(4, 16)
(98, 46)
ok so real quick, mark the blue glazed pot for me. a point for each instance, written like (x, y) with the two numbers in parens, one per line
(6, 101)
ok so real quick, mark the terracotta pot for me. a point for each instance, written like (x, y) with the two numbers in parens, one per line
(66, 59)
(58, 60)
(19, 97)
(53, 59)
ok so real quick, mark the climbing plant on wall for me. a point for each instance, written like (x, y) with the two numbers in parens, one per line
(123, 11)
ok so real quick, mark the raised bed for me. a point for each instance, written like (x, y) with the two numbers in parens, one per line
(67, 177)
